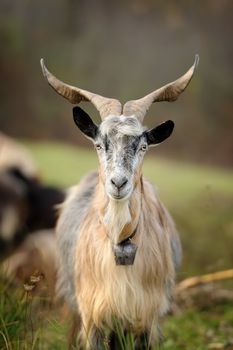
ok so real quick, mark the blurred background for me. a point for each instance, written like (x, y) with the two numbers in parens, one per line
(126, 49)
(121, 49)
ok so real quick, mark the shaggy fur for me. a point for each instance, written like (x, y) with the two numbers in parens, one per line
(26, 206)
(129, 126)
(36, 254)
(102, 211)
(28, 215)
(89, 278)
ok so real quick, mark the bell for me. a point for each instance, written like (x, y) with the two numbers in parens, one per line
(125, 252)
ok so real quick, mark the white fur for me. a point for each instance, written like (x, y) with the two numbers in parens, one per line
(122, 125)
(9, 223)
(116, 217)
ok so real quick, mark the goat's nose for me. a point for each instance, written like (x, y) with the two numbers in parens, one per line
(119, 183)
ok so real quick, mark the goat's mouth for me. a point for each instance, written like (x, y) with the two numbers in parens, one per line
(125, 252)
(119, 196)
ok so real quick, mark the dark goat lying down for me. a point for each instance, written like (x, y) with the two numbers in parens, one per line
(26, 206)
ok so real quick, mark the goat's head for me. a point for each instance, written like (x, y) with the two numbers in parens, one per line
(120, 140)
(121, 143)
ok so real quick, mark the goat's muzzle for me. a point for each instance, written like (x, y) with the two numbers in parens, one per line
(125, 252)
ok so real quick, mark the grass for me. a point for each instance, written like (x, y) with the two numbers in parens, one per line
(201, 201)
(29, 323)
(197, 329)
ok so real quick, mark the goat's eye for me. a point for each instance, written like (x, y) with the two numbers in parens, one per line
(143, 148)
(98, 147)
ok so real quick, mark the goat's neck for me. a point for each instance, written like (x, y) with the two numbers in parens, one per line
(119, 218)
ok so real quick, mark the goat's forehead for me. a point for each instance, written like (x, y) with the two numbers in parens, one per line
(121, 126)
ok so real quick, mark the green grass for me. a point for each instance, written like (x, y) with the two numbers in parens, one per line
(201, 202)
(196, 329)
(28, 322)
(61, 164)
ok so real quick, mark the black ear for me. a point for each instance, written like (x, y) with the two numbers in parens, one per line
(84, 122)
(160, 132)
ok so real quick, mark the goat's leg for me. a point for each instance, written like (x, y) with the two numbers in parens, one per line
(146, 342)
(142, 342)
(113, 341)
(98, 340)
(91, 338)
(160, 335)
(74, 339)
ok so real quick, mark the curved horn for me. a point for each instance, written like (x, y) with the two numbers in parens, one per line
(169, 92)
(104, 105)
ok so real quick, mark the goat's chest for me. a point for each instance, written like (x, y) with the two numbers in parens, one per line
(133, 294)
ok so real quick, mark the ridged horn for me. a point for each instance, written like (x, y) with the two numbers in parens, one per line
(105, 106)
(169, 92)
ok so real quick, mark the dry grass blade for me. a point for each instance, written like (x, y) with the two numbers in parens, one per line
(198, 280)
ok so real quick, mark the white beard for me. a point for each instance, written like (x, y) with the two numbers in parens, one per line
(116, 217)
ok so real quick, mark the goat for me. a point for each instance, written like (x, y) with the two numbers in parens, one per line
(26, 206)
(28, 214)
(13, 154)
(117, 244)
(36, 254)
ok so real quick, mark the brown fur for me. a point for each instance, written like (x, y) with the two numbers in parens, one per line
(136, 295)
(36, 254)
